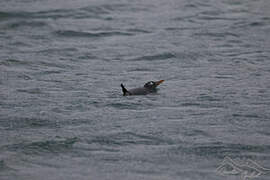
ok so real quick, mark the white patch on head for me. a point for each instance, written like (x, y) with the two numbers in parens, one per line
(151, 83)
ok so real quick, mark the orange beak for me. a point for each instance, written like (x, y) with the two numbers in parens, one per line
(159, 82)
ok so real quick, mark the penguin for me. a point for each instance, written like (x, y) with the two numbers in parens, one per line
(149, 87)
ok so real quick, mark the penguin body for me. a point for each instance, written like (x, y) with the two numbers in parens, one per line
(149, 87)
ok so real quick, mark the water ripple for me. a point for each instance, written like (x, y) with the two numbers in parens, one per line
(70, 33)
(19, 24)
(161, 56)
(50, 146)
(128, 138)
(5, 167)
(28, 122)
(219, 150)
(14, 62)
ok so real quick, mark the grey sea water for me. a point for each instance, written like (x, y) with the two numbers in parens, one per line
(62, 114)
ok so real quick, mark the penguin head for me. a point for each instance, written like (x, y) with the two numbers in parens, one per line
(152, 84)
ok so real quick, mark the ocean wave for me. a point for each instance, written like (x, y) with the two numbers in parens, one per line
(128, 138)
(137, 30)
(93, 11)
(14, 123)
(6, 15)
(104, 8)
(217, 34)
(19, 24)
(49, 146)
(4, 166)
(59, 13)
(71, 33)
(160, 56)
(14, 62)
(220, 150)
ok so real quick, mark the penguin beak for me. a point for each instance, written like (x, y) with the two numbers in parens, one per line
(159, 82)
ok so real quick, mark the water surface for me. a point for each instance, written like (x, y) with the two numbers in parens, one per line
(62, 114)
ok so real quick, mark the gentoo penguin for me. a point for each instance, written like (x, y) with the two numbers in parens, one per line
(149, 87)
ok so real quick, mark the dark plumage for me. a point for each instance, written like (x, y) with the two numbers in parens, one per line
(149, 87)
